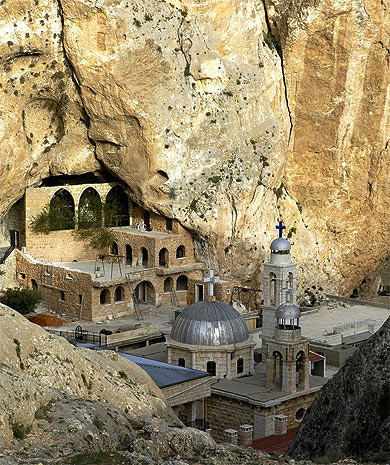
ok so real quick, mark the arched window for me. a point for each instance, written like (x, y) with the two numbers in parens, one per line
(61, 211)
(119, 294)
(289, 285)
(145, 257)
(181, 362)
(129, 255)
(163, 257)
(105, 297)
(90, 209)
(34, 284)
(211, 368)
(116, 208)
(277, 373)
(62, 296)
(114, 249)
(182, 283)
(299, 414)
(168, 285)
(240, 365)
(272, 283)
(180, 251)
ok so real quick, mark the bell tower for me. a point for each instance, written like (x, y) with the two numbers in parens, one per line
(287, 352)
(280, 275)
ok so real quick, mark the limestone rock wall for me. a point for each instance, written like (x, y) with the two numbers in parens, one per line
(210, 119)
(351, 415)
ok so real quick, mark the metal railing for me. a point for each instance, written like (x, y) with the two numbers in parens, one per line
(80, 335)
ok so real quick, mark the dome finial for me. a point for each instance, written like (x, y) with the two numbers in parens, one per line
(280, 227)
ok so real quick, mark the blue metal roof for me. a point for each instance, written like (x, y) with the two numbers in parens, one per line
(165, 374)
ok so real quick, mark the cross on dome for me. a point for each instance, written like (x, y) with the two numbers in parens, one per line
(280, 227)
(211, 280)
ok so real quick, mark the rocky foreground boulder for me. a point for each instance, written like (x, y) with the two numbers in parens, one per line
(351, 416)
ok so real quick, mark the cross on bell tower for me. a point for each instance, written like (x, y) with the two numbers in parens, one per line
(280, 227)
(211, 280)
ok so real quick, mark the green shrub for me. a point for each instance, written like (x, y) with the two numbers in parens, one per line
(22, 300)
(122, 374)
(19, 430)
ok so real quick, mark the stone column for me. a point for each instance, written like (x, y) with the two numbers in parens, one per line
(193, 360)
(289, 376)
(228, 366)
(169, 354)
(193, 410)
(306, 372)
(252, 361)
(270, 373)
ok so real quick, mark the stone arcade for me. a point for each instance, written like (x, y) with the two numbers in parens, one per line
(151, 260)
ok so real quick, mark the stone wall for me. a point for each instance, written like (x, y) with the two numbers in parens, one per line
(223, 413)
(154, 244)
(52, 281)
(189, 391)
(58, 246)
(197, 357)
(13, 220)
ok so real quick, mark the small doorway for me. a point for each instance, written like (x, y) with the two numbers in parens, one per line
(147, 219)
(129, 255)
(145, 257)
(14, 238)
(163, 257)
(145, 292)
(198, 292)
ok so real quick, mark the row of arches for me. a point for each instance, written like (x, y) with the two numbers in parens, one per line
(144, 291)
(91, 210)
(163, 255)
(300, 361)
(273, 287)
(181, 284)
(105, 295)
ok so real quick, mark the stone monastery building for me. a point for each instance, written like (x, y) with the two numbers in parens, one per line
(151, 260)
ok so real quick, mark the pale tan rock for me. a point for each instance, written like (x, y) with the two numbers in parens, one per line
(193, 89)
(97, 375)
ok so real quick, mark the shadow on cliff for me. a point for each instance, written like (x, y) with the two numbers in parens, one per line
(351, 415)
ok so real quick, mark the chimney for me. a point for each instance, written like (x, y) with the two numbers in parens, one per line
(280, 424)
(246, 435)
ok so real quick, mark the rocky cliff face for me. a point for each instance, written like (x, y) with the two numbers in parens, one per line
(60, 404)
(226, 115)
(351, 415)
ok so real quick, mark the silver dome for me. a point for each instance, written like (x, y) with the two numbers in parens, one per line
(280, 244)
(288, 312)
(209, 324)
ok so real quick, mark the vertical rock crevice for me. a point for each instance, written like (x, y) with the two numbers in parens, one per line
(279, 51)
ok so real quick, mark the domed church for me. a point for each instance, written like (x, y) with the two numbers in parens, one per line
(211, 336)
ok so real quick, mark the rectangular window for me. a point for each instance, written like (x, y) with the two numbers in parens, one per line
(169, 224)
